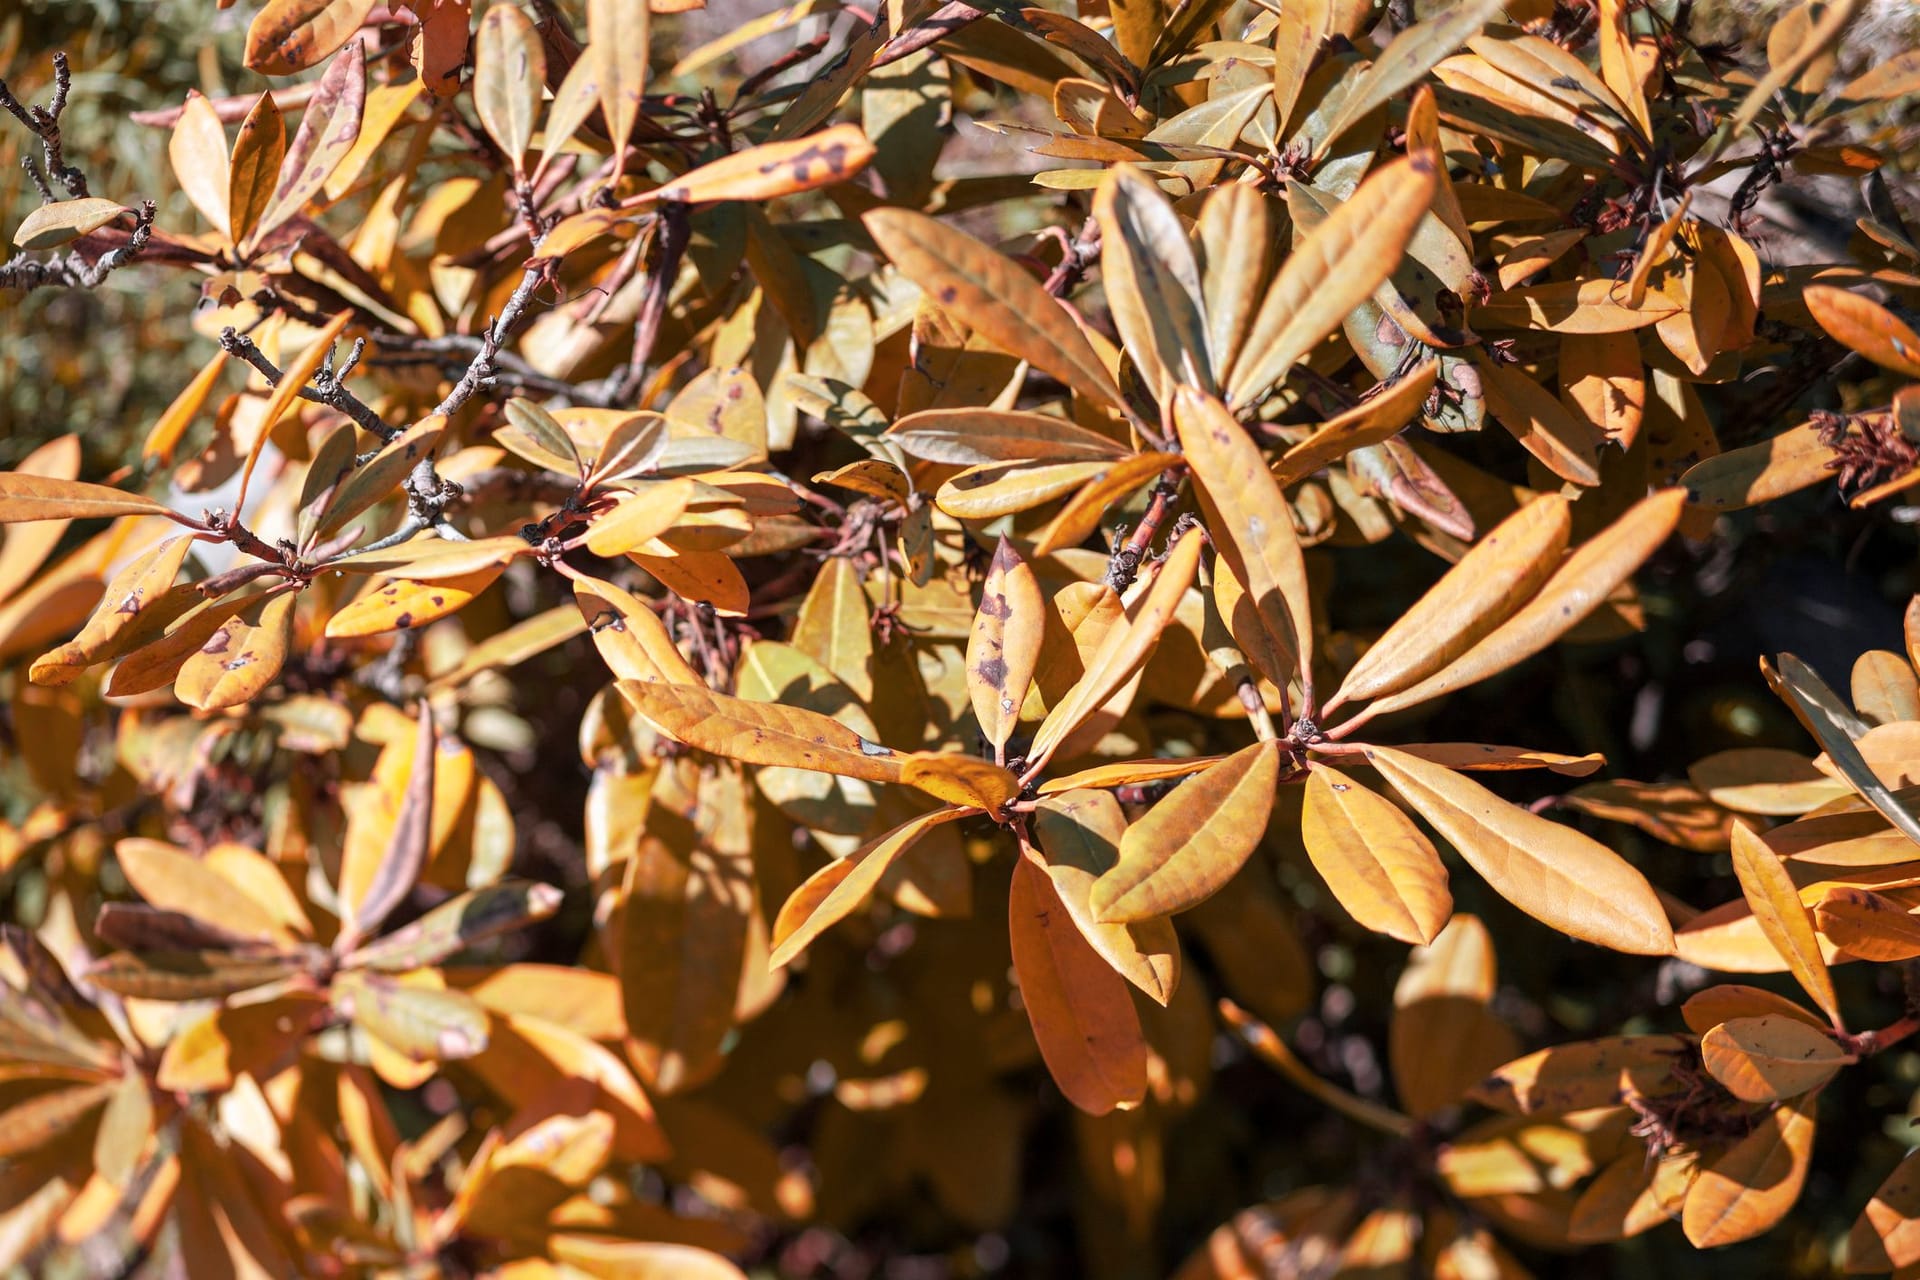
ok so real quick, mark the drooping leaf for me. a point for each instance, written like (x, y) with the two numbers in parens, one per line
(1374, 860)
(1776, 904)
(1753, 1185)
(1082, 1015)
(827, 896)
(618, 45)
(509, 72)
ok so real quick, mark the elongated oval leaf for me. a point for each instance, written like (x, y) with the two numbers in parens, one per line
(1083, 1018)
(1153, 282)
(994, 296)
(1003, 647)
(1334, 270)
(1581, 583)
(1493, 579)
(1375, 861)
(509, 76)
(760, 732)
(1251, 521)
(291, 35)
(829, 894)
(1551, 872)
(1191, 843)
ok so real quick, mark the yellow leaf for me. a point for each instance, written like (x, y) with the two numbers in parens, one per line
(1374, 860)
(1083, 1017)
(1335, 269)
(645, 514)
(1887, 1235)
(772, 169)
(24, 496)
(1868, 925)
(1757, 473)
(1776, 904)
(1367, 423)
(254, 170)
(829, 894)
(617, 45)
(760, 732)
(1494, 578)
(1079, 835)
(973, 437)
(1753, 1185)
(1584, 1075)
(960, 779)
(197, 149)
(239, 660)
(1444, 1038)
(1123, 649)
(1555, 874)
(1003, 645)
(1250, 520)
(1153, 282)
(402, 605)
(1192, 842)
(174, 880)
(834, 627)
(509, 79)
(1770, 1057)
(1580, 585)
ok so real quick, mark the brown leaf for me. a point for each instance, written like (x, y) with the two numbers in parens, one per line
(994, 296)
(1083, 1017)
(291, 35)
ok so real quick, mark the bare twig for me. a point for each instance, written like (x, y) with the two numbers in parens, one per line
(44, 123)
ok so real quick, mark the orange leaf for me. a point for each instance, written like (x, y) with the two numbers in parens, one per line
(1776, 904)
(291, 35)
(1771, 1057)
(1083, 1017)
(1752, 1186)
(829, 894)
